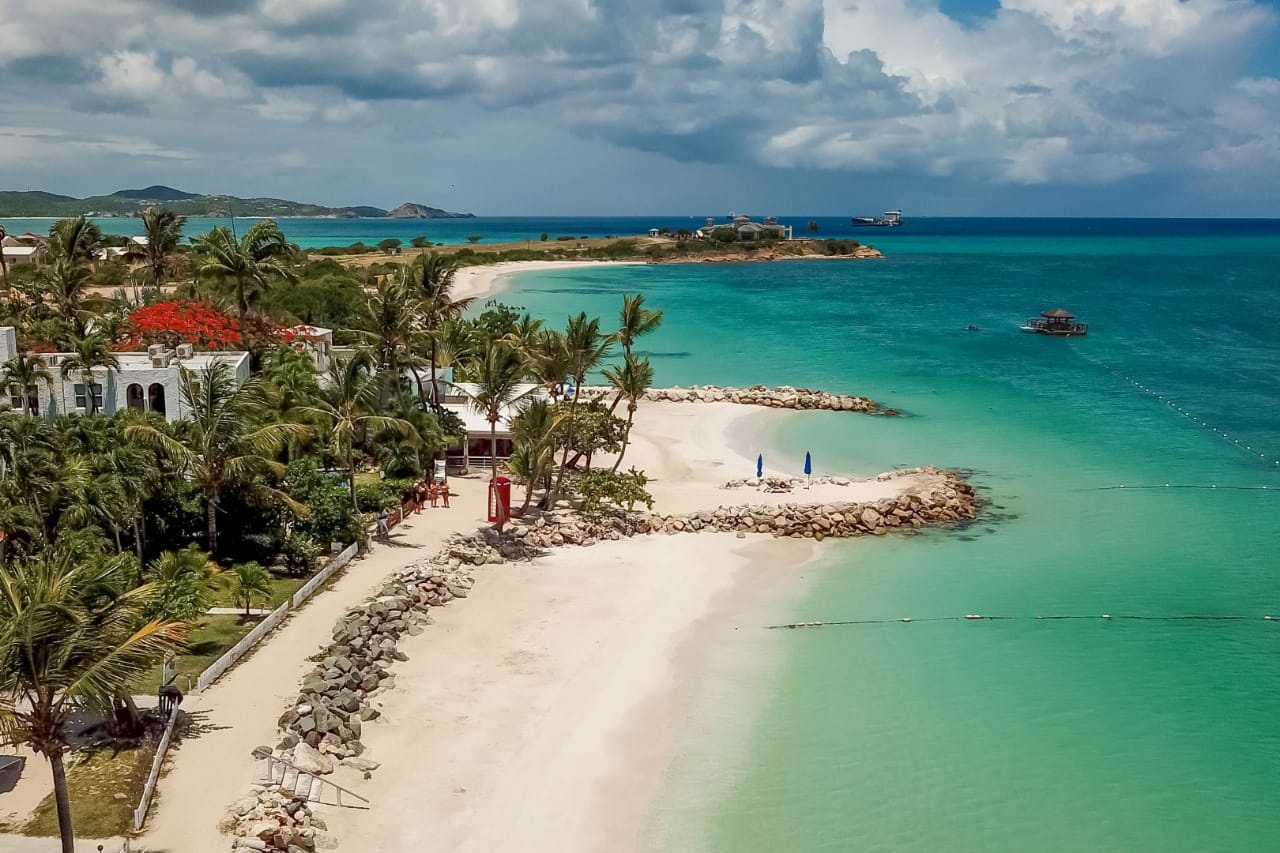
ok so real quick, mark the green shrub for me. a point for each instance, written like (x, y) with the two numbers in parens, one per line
(300, 553)
(385, 494)
(604, 491)
(390, 243)
(474, 238)
(543, 238)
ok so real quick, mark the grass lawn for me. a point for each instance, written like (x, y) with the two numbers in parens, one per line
(95, 779)
(206, 641)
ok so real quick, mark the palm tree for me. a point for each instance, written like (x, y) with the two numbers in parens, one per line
(636, 322)
(586, 348)
(66, 280)
(390, 324)
(347, 406)
(251, 582)
(86, 354)
(70, 636)
(185, 581)
(432, 276)
(249, 265)
(632, 380)
(533, 457)
(549, 360)
(163, 230)
(223, 445)
(497, 375)
(76, 239)
(21, 374)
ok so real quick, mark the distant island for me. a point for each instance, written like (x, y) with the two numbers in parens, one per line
(135, 202)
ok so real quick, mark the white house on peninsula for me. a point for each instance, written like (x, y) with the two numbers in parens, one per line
(147, 381)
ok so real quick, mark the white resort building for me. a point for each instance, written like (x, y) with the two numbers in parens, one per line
(147, 381)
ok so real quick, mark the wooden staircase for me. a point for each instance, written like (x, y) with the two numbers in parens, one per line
(305, 786)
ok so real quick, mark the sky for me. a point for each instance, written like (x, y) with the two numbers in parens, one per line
(697, 107)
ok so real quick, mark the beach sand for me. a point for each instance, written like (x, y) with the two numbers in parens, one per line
(481, 282)
(541, 713)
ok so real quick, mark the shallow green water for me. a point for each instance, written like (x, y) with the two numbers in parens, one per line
(1077, 735)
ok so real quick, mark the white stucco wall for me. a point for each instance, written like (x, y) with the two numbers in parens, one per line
(60, 397)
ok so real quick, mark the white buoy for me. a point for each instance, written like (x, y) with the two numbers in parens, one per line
(906, 618)
(1106, 615)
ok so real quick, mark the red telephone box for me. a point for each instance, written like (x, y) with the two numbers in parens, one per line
(499, 499)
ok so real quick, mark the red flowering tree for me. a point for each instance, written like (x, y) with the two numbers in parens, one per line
(181, 322)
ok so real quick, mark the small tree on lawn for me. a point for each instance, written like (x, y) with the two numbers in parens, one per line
(250, 583)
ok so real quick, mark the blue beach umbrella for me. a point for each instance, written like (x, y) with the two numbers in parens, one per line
(760, 466)
(808, 468)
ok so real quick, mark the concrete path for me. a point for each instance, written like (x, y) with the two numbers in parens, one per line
(211, 767)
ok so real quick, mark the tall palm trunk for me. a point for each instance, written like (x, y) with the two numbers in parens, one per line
(211, 522)
(435, 395)
(499, 510)
(564, 457)
(351, 477)
(63, 800)
(137, 536)
(626, 436)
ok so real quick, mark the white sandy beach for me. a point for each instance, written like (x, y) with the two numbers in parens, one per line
(484, 281)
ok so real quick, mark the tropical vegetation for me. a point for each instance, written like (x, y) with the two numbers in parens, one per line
(117, 527)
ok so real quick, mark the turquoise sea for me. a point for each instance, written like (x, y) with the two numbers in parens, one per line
(1019, 734)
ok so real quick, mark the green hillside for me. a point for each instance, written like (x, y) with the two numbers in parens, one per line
(134, 202)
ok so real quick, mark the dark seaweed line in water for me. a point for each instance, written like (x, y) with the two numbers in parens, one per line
(1247, 449)
(977, 617)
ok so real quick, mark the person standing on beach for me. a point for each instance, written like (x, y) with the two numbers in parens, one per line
(444, 491)
(421, 495)
(384, 532)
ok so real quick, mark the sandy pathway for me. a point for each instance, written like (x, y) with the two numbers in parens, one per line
(211, 771)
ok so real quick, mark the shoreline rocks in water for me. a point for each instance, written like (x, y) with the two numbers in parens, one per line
(782, 397)
(322, 729)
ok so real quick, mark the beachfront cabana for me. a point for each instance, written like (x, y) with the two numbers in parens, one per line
(473, 452)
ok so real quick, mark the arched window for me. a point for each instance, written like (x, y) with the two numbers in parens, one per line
(155, 397)
(133, 397)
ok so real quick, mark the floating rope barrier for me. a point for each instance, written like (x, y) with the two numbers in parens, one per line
(978, 617)
(1242, 446)
(1211, 487)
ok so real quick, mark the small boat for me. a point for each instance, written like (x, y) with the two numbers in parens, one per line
(1058, 323)
(891, 219)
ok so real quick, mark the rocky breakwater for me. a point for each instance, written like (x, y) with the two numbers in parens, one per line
(782, 397)
(322, 729)
(949, 499)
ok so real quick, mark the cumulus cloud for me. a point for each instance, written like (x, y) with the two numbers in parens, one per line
(1041, 92)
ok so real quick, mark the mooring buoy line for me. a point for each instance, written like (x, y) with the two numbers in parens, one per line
(978, 617)
(1211, 487)
(1244, 447)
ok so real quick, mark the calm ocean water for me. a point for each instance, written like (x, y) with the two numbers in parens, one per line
(1014, 735)
(916, 234)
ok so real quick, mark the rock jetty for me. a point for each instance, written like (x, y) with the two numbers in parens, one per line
(322, 729)
(782, 397)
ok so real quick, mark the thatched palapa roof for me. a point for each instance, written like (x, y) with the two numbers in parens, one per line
(1059, 313)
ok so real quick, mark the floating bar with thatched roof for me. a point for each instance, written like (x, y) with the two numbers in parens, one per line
(1057, 322)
